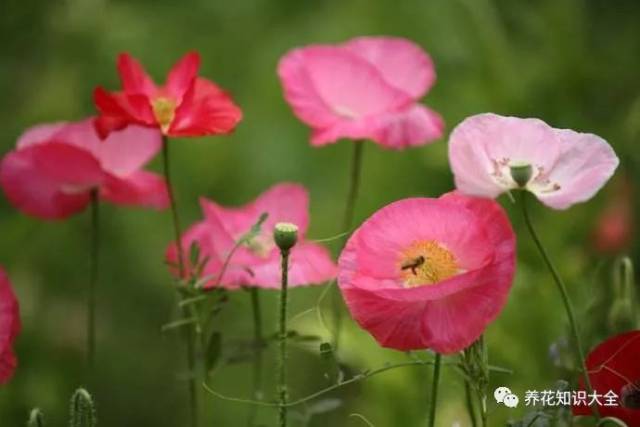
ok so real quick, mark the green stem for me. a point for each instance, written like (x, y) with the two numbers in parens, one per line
(434, 390)
(93, 279)
(469, 401)
(565, 299)
(189, 333)
(257, 361)
(352, 196)
(282, 336)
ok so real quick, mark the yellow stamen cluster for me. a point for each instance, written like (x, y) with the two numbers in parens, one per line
(426, 262)
(164, 111)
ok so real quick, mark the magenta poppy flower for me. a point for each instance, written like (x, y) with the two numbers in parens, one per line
(257, 263)
(614, 371)
(9, 328)
(187, 105)
(367, 88)
(54, 167)
(560, 166)
(429, 273)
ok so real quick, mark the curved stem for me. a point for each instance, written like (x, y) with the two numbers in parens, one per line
(469, 402)
(352, 195)
(257, 361)
(282, 336)
(565, 299)
(434, 390)
(93, 279)
(189, 333)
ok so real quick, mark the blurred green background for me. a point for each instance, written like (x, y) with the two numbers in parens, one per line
(573, 63)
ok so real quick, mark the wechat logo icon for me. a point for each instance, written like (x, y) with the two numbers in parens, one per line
(504, 396)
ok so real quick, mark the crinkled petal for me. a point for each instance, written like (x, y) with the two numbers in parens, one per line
(585, 164)
(479, 142)
(39, 134)
(403, 64)
(117, 110)
(134, 78)
(414, 126)
(49, 181)
(205, 110)
(128, 150)
(140, 188)
(182, 75)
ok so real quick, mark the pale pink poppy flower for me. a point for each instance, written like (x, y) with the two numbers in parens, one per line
(9, 328)
(426, 273)
(257, 263)
(560, 167)
(366, 88)
(55, 166)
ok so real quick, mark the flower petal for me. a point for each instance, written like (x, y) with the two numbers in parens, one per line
(205, 110)
(585, 164)
(182, 75)
(39, 134)
(140, 188)
(128, 150)
(403, 63)
(117, 110)
(9, 328)
(49, 181)
(414, 126)
(134, 78)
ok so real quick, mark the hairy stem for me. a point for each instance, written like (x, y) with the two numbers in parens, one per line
(189, 333)
(93, 278)
(257, 360)
(434, 390)
(469, 402)
(282, 337)
(565, 298)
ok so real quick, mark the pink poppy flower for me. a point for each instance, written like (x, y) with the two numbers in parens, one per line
(54, 167)
(9, 328)
(367, 88)
(187, 105)
(257, 263)
(429, 273)
(561, 167)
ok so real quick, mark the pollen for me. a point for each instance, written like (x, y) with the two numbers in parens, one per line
(425, 263)
(164, 111)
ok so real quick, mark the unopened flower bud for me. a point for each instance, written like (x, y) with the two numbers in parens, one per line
(521, 174)
(285, 235)
(36, 419)
(82, 409)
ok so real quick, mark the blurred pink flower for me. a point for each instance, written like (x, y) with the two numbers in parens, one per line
(367, 88)
(54, 167)
(9, 328)
(566, 167)
(257, 263)
(429, 273)
(187, 105)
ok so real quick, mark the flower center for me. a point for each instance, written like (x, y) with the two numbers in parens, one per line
(164, 110)
(512, 174)
(630, 396)
(426, 262)
(261, 245)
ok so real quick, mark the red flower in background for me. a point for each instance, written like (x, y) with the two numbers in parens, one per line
(613, 366)
(614, 228)
(187, 105)
(9, 328)
(54, 168)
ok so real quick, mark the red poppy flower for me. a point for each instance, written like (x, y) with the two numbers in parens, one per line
(613, 368)
(187, 105)
(9, 328)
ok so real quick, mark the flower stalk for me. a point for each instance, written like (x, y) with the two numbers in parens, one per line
(93, 278)
(565, 298)
(434, 390)
(285, 236)
(257, 360)
(189, 333)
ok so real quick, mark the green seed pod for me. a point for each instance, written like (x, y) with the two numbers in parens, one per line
(82, 409)
(285, 235)
(521, 174)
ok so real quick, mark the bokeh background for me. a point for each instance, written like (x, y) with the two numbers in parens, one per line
(573, 63)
